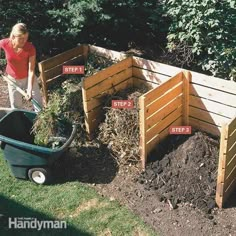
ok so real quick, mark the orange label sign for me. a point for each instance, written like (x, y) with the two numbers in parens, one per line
(73, 69)
(122, 104)
(180, 130)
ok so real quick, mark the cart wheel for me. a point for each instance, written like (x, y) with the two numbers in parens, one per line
(39, 175)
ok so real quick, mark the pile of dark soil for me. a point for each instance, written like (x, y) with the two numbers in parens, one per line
(120, 129)
(184, 169)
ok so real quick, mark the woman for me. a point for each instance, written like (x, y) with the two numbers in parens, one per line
(21, 56)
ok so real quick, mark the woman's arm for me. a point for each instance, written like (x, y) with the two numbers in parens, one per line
(31, 75)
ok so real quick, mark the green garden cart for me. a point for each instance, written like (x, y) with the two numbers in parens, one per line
(26, 159)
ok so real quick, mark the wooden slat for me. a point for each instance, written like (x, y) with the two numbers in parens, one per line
(212, 106)
(91, 104)
(114, 55)
(156, 139)
(229, 179)
(156, 66)
(231, 187)
(231, 165)
(219, 195)
(163, 124)
(232, 151)
(140, 83)
(142, 128)
(185, 101)
(105, 73)
(202, 79)
(170, 107)
(92, 115)
(232, 139)
(109, 83)
(201, 125)
(167, 97)
(221, 166)
(50, 81)
(157, 92)
(62, 57)
(91, 126)
(93, 119)
(213, 82)
(43, 82)
(212, 94)
(85, 51)
(58, 70)
(150, 76)
(208, 116)
(96, 101)
(232, 125)
(230, 159)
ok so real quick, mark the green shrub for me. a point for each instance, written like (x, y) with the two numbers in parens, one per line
(203, 31)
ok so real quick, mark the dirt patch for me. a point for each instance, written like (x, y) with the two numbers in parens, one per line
(176, 193)
(4, 98)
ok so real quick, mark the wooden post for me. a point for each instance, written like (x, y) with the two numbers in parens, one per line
(186, 80)
(44, 83)
(85, 52)
(142, 125)
(221, 166)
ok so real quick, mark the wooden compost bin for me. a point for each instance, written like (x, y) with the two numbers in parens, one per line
(176, 98)
(212, 109)
(162, 106)
(52, 68)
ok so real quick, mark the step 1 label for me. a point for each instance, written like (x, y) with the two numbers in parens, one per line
(73, 69)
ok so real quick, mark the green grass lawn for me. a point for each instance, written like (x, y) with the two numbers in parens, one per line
(85, 212)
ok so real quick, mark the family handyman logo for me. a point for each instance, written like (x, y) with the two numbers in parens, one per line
(34, 223)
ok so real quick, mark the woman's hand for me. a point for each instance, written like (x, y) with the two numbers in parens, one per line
(29, 94)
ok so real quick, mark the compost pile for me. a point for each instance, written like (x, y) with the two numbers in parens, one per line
(120, 129)
(65, 107)
(187, 174)
(96, 63)
(53, 125)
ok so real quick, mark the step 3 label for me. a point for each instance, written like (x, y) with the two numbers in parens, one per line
(180, 130)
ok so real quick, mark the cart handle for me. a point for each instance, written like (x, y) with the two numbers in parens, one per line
(21, 91)
(69, 141)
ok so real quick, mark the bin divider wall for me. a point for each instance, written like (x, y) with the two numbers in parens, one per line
(153, 78)
(108, 81)
(107, 53)
(226, 180)
(51, 68)
(163, 107)
(221, 165)
(186, 81)
(142, 130)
